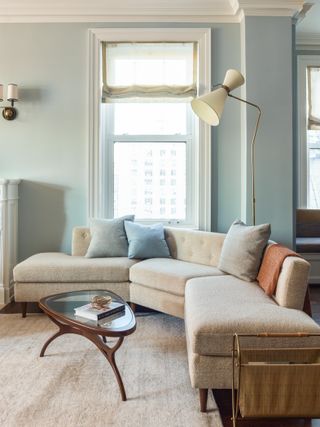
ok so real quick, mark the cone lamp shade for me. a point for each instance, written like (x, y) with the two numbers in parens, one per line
(209, 107)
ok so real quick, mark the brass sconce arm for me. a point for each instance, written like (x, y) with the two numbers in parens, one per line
(9, 113)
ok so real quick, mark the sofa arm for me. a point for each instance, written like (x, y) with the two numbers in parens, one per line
(292, 283)
(81, 238)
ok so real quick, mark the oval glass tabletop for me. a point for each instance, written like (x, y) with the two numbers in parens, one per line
(63, 305)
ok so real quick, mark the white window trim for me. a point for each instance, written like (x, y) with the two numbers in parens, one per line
(303, 62)
(192, 219)
(200, 35)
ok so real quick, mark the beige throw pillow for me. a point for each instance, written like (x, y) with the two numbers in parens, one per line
(243, 248)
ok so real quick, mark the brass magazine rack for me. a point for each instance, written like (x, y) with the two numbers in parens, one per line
(277, 382)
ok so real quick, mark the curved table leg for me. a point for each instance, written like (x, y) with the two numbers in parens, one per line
(63, 329)
(100, 343)
(109, 354)
(49, 341)
(118, 376)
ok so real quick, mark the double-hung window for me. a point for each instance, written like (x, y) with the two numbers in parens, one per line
(309, 104)
(149, 154)
(149, 132)
(313, 136)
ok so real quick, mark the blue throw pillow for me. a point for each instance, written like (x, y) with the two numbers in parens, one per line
(146, 241)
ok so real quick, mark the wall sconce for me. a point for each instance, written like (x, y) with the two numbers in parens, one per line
(10, 113)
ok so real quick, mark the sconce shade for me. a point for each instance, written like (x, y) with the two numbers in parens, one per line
(1, 93)
(12, 92)
(209, 107)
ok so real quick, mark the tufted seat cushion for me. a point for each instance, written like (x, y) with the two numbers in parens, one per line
(169, 275)
(59, 267)
(216, 308)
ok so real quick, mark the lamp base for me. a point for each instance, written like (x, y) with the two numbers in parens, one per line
(9, 113)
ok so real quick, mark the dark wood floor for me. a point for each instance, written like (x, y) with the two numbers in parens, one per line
(223, 397)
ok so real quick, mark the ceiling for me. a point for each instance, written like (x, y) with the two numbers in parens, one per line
(143, 10)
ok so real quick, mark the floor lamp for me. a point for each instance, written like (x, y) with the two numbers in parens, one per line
(209, 108)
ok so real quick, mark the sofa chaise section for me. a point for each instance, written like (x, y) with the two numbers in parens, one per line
(50, 273)
(218, 307)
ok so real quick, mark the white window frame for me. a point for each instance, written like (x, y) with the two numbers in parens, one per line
(192, 178)
(97, 173)
(303, 165)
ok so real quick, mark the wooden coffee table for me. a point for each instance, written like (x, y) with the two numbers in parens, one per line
(60, 309)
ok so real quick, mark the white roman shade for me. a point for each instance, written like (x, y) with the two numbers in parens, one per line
(313, 98)
(149, 70)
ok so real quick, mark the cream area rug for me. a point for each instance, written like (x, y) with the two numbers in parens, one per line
(73, 385)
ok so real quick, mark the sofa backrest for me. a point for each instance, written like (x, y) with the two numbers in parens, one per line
(200, 247)
(205, 247)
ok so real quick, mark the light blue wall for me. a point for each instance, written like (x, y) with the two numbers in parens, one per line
(268, 69)
(47, 145)
(226, 147)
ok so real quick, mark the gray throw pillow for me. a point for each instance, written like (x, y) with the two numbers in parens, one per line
(243, 248)
(146, 241)
(108, 238)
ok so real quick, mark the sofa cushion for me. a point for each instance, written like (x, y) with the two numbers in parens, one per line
(218, 307)
(243, 248)
(108, 238)
(146, 241)
(169, 275)
(59, 267)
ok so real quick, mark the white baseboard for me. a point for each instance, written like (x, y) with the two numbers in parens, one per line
(314, 260)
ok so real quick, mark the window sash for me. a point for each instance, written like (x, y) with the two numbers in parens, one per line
(313, 79)
(192, 167)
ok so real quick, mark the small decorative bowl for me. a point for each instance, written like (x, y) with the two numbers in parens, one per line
(99, 302)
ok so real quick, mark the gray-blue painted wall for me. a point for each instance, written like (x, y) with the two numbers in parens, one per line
(47, 145)
(268, 70)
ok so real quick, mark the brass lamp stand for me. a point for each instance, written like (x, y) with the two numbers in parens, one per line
(209, 108)
(253, 156)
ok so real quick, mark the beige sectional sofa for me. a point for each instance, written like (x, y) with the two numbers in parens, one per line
(189, 285)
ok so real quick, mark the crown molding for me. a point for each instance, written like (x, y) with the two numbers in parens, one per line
(207, 11)
(107, 18)
(266, 8)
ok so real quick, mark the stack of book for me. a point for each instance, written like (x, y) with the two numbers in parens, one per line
(91, 313)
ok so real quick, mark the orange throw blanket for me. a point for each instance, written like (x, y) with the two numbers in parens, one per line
(271, 265)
